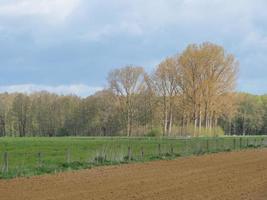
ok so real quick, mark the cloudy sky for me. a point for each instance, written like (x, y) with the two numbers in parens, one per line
(69, 46)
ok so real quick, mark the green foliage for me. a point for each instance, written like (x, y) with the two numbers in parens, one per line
(199, 151)
(205, 132)
(155, 132)
(227, 149)
(250, 118)
(46, 114)
(127, 158)
(75, 165)
(100, 159)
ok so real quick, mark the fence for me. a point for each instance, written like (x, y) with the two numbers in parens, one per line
(75, 157)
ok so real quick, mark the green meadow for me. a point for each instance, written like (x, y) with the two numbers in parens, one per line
(36, 155)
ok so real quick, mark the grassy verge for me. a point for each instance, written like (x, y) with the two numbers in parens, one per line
(36, 156)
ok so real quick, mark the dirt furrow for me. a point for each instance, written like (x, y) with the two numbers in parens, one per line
(223, 176)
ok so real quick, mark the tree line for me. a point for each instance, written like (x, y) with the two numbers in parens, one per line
(188, 94)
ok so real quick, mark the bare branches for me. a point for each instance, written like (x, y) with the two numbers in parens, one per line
(126, 83)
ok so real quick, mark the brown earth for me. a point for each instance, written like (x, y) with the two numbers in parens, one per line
(224, 176)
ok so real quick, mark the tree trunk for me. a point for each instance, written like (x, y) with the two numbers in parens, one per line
(170, 124)
(244, 125)
(195, 126)
(165, 117)
(200, 122)
(128, 124)
(230, 126)
(183, 125)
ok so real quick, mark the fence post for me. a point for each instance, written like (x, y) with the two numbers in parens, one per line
(159, 150)
(216, 141)
(172, 149)
(262, 142)
(247, 143)
(68, 156)
(186, 146)
(142, 153)
(5, 164)
(105, 157)
(234, 143)
(207, 143)
(240, 143)
(255, 142)
(39, 159)
(129, 154)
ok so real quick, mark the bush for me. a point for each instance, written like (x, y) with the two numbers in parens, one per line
(156, 132)
(126, 158)
(74, 165)
(205, 132)
(227, 150)
(100, 159)
(199, 152)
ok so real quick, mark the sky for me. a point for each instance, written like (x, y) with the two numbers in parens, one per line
(69, 46)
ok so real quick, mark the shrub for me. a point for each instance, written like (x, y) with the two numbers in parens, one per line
(74, 165)
(156, 132)
(206, 132)
(126, 158)
(100, 159)
(199, 152)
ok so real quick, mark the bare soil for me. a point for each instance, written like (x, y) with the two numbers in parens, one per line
(223, 176)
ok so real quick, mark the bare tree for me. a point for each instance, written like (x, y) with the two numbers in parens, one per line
(21, 107)
(207, 73)
(126, 83)
(165, 83)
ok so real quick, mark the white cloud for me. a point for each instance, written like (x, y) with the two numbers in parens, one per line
(103, 18)
(145, 31)
(108, 30)
(75, 89)
(52, 10)
(138, 17)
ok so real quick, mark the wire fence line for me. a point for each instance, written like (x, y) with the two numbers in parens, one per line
(74, 157)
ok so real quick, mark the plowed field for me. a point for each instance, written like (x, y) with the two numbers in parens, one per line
(223, 176)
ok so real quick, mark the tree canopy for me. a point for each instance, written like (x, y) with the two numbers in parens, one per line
(188, 94)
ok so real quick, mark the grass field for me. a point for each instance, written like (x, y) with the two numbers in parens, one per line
(34, 156)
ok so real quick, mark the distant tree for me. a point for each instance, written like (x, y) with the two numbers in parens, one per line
(126, 83)
(165, 84)
(250, 116)
(4, 110)
(21, 106)
(207, 74)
